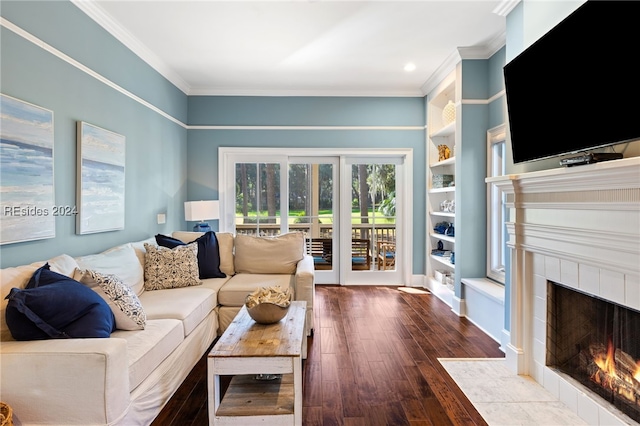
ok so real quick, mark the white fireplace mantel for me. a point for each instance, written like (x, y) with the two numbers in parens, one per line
(578, 226)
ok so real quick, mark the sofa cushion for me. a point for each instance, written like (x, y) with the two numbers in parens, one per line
(124, 303)
(235, 291)
(147, 348)
(225, 244)
(53, 305)
(208, 253)
(190, 305)
(268, 255)
(215, 284)
(62, 264)
(171, 268)
(140, 251)
(120, 261)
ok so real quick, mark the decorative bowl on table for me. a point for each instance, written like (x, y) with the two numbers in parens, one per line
(268, 305)
(267, 313)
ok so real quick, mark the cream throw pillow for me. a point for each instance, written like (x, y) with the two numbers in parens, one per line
(171, 268)
(120, 261)
(269, 255)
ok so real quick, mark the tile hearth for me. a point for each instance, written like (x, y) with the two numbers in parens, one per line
(504, 398)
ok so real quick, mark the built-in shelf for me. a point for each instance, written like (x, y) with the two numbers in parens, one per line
(443, 261)
(441, 133)
(441, 190)
(448, 162)
(447, 130)
(443, 214)
(443, 237)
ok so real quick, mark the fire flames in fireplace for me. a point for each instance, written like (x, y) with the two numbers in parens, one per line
(596, 342)
(614, 370)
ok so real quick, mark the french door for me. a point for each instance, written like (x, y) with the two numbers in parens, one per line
(347, 205)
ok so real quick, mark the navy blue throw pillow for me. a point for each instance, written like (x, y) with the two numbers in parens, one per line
(54, 306)
(167, 241)
(208, 253)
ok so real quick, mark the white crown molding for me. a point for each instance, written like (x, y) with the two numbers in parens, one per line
(95, 12)
(62, 56)
(484, 51)
(441, 73)
(71, 61)
(220, 91)
(505, 7)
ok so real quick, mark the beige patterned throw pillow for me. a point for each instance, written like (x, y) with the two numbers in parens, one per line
(171, 268)
(122, 300)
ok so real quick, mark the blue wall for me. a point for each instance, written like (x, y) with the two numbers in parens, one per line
(307, 111)
(482, 109)
(156, 147)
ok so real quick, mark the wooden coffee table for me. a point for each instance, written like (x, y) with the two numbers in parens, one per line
(246, 349)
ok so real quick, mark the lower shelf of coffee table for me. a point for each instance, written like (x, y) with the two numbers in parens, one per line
(247, 396)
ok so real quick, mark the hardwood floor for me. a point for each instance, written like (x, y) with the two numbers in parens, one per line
(372, 361)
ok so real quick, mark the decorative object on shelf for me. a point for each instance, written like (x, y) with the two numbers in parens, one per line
(201, 211)
(441, 227)
(441, 253)
(444, 152)
(448, 206)
(442, 181)
(450, 232)
(449, 113)
(449, 282)
(268, 305)
(441, 276)
(452, 258)
(440, 245)
(101, 179)
(26, 148)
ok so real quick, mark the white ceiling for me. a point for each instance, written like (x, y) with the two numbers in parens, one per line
(304, 47)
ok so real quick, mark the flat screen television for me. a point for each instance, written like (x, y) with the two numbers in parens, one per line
(578, 87)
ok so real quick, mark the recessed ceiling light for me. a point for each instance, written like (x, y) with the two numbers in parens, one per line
(410, 67)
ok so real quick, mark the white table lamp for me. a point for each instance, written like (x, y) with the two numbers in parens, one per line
(199, 211)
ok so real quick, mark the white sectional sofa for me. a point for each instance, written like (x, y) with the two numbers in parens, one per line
(127, 378)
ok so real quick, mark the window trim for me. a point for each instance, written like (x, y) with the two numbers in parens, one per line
(228, 156)
(496, 243)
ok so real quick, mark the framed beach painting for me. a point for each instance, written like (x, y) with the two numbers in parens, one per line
(26, 172)
(100, 193)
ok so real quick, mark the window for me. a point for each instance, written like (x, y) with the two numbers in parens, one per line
(496, 206)
(267, 191)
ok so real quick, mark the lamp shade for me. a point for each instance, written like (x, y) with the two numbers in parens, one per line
(201, 210)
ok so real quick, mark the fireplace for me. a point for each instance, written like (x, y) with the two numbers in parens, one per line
(576, 231)
(597, 343)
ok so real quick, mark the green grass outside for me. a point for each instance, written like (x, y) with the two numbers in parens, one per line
(325, 216)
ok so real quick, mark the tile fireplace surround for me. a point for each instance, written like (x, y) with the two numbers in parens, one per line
(578, 226)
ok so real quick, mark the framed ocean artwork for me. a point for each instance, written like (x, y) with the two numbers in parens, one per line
(26, 172)
(101, 179)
